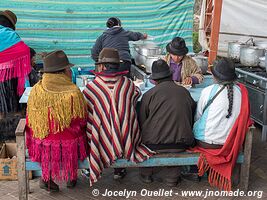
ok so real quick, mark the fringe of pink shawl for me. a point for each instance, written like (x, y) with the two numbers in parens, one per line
(58, 154)
(15, 63)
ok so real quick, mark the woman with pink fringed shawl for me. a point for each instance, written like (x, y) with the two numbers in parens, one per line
(14, 67)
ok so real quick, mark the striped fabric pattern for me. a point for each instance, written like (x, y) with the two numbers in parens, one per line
(112, 126)
(74, 25)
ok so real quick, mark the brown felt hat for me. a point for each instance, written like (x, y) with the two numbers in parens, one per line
(108, 55)
(10, 16)
(56, 61)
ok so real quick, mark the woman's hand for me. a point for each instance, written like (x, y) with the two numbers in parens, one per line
(187, 81)
(145, 36)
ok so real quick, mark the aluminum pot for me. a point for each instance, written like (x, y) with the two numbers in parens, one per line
(262, 62)
(202, 62)
(234, 50)
(262, 44)
(250, 56)
(147, 49)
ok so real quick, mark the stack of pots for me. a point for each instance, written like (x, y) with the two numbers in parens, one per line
(248, 54)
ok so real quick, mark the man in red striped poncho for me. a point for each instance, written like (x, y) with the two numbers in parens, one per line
(112, 125)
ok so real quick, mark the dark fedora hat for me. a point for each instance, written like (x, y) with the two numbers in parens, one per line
(56, 61)
(177, 47)
(160, 70)
(108, 55)
(224, 70)
(10, 16)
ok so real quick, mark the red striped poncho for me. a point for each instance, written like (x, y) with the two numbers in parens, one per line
(112, 126)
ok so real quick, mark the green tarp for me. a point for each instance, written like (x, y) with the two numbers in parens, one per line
(74, 25)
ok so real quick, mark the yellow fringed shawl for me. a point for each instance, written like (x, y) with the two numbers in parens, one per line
(53, 103)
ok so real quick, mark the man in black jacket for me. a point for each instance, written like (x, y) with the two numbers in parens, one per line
(118, 38)
(166, 120)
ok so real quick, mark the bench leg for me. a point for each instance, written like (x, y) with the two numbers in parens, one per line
(22, 175)
(245, 167)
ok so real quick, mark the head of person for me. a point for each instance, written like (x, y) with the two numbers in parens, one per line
(57, 62)
(161, 71)
(32, 55)
(223, 71)
(113, 21)
(8, 19)
(177, 49)
(108, 60)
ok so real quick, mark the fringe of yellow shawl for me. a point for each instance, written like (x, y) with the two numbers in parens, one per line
(48, 112)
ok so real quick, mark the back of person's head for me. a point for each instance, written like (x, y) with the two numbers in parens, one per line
(160, 71)
(32, 52)
(8, 19)
(224, 72)
(56, 62)
(113, 21)
(5, 22)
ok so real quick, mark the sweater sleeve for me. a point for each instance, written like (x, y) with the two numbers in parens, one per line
(96, 49)
(134, 36)
(196, 73)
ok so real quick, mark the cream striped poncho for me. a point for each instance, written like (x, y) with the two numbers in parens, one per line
(112, 125)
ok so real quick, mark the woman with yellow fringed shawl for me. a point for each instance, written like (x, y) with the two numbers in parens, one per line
(56, 123)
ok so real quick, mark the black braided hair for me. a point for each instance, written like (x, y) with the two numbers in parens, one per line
(230, 93)
(113, 21)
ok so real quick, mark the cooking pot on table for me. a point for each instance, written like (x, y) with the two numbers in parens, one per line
(250, 56)
(149, 49)
(202, 62)
(145, 54)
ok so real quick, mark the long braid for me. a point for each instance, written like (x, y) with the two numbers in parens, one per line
(230, 93)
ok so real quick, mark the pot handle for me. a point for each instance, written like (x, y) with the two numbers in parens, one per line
(252, 41)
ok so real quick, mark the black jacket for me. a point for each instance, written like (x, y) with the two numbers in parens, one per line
(118, 38)
(166, 117)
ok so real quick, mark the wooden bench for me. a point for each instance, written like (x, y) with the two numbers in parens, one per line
(170, 159)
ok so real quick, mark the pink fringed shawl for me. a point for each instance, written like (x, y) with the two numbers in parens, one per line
(15, 63)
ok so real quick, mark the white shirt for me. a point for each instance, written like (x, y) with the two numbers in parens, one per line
(212, 126)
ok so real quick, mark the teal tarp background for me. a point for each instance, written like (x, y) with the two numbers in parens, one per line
(74, 25)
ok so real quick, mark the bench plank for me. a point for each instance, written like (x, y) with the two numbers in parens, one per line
(176, 160)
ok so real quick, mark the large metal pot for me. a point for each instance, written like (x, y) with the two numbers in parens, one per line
(266, 60)
(262, 44)
(250, 56)
(147, 49)
(202, 62)
(234, 50)
(262, 61)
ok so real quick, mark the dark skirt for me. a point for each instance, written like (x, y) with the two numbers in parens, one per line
(9, 106)
(9, 100)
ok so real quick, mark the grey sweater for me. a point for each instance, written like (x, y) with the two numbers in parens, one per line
(118, 38)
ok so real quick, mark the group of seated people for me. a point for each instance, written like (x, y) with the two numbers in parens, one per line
(65, 125)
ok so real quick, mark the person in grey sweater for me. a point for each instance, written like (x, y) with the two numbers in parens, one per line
(118, 38)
